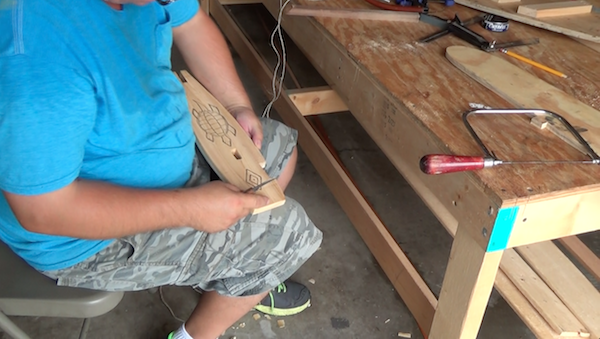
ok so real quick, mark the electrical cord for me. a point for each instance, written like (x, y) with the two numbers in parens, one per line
(277, 86)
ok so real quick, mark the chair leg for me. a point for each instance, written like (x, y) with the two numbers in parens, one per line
(84, 328)
(10, 328)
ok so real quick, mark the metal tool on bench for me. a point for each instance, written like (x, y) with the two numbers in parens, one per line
(460, 29)
(446, 163)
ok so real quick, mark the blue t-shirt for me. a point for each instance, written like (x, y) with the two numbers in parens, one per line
(86, 91)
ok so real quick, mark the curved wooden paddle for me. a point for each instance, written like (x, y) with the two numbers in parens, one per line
(227, 148)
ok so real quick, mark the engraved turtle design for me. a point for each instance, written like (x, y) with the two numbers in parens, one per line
(213, 123)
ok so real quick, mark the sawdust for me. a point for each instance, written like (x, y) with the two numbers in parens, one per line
(388, 46)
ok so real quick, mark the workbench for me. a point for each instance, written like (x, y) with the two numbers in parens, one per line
(410, 100)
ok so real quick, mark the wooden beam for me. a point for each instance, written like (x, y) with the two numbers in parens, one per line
(316, 100)
(225, 145)
(567, 282)
(543, 299)
(238, 2)
(560, 223)
(466, 289)
(554, 9)
(409, 284)
(204, 6)
(353, 13)
(583, 254)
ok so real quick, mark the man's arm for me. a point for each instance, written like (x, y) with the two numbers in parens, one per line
(206, 53)
(96, 210)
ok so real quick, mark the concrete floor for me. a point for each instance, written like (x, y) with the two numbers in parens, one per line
(352, 298)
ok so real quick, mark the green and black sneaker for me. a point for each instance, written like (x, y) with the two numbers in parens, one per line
(288, 298)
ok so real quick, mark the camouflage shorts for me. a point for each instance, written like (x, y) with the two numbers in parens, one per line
(252, 256)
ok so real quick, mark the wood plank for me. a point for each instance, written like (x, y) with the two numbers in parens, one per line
(398, 268)
(317, 100)
(583, 254)
(500, 76)
(583, 26)
(550, 307)
(466, 289)
(530, 316)
(567, 282)
(554, 9)
(353, 13)
(225, 145)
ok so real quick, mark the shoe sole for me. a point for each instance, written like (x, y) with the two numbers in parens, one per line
(282, 312)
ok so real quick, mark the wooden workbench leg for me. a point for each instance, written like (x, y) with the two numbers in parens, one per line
(205, 6)
(466, 289)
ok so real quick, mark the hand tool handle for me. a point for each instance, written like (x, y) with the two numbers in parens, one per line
(444, 163)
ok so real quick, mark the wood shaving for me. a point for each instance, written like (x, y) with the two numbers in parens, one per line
(404, 335)
(281, 323)
(256, 316)
(312, 281)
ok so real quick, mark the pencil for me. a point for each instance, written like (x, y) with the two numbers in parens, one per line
(533, 63)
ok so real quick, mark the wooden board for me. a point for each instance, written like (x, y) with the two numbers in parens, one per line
(229, 150)
(554, 9)
(530, 316)
(584, 26)
(583, 254)
(559, 273)
(320, 100)
(543, 299)
(525, 90)
(353, 13)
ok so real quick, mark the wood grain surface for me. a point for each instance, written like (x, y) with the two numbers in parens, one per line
(434, 93)
(584, 26)
(501, 76)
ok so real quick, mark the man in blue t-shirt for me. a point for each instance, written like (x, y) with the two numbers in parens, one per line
(102, 187)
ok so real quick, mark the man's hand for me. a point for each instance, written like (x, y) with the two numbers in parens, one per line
(250, 123)
(221, 205)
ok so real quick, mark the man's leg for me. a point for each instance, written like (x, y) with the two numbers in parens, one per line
(288, 171)
(216, 313)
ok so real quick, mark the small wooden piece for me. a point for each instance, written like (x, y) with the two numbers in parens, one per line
(554, 9)
(319, 100)
(539, 122)
(500, 76)
(353, 13)
(229, 150)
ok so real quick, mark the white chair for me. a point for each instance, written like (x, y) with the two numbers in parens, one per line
(26, 292)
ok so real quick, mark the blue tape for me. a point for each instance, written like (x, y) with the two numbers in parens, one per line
(505, 220)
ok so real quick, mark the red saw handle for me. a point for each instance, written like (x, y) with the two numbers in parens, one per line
(444, 163)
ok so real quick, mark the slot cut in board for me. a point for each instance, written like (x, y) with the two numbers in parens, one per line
(554, 9)
(227, 148)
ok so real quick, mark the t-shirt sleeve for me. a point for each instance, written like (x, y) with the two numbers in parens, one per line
(46, 115)
(182, 10)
